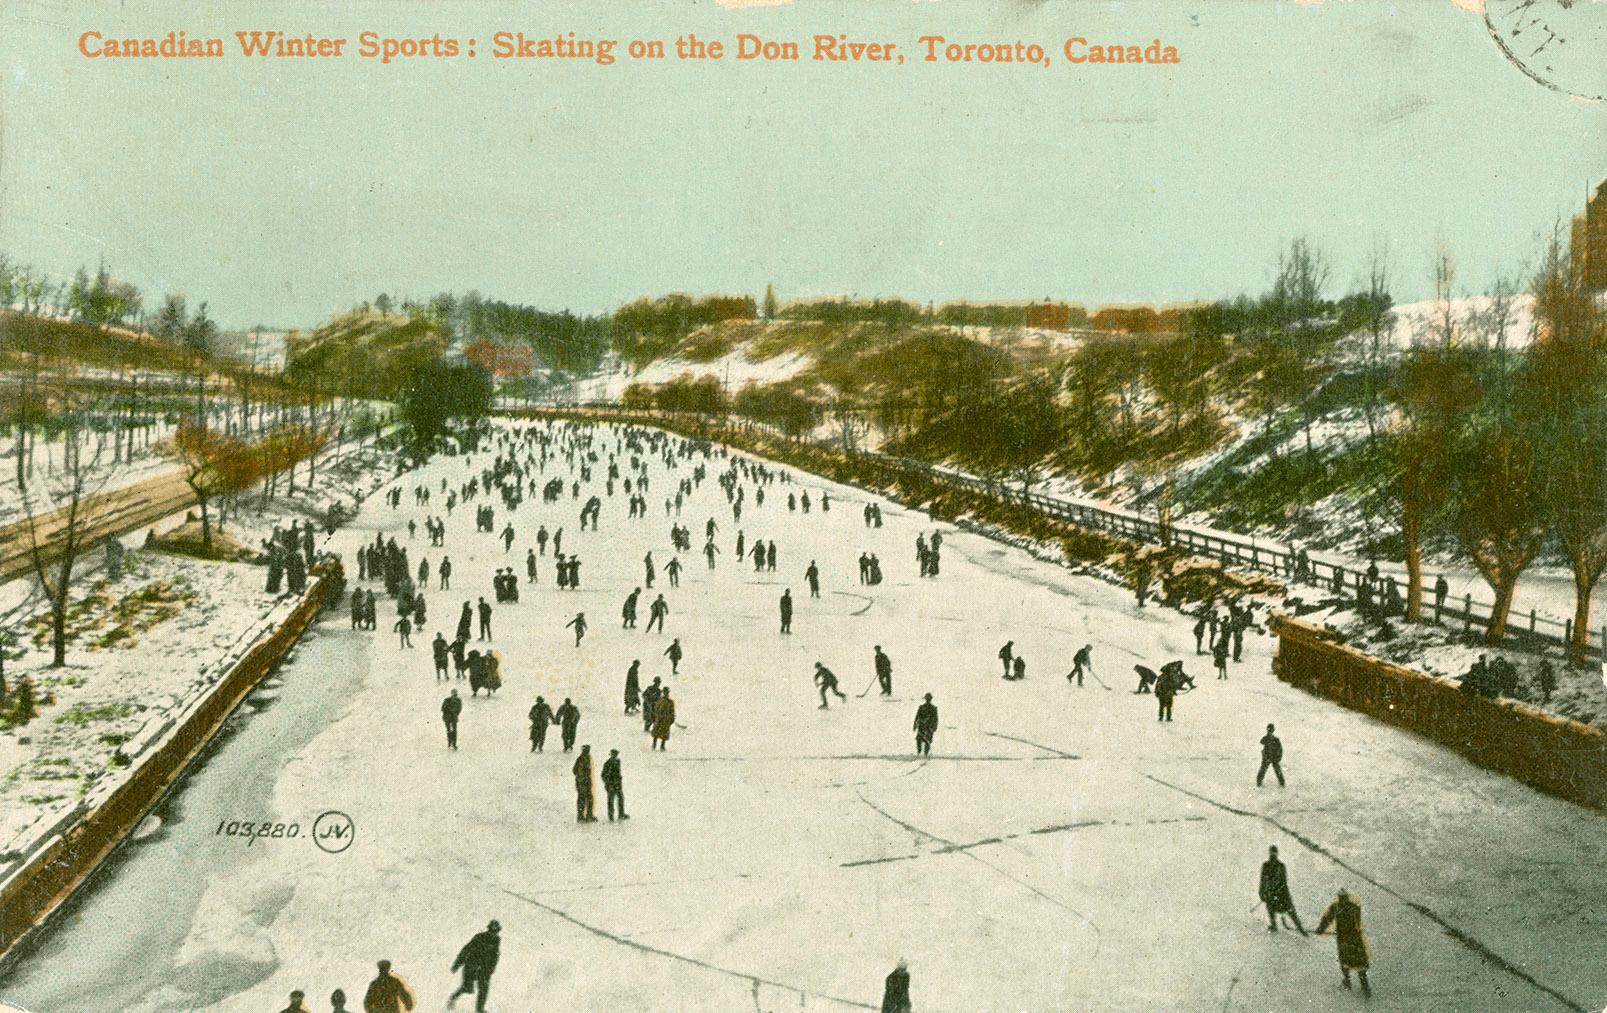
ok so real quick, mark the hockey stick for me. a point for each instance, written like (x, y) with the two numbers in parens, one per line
(873, 680)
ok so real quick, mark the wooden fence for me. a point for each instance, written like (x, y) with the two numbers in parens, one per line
(59, 865)
(1558, 756)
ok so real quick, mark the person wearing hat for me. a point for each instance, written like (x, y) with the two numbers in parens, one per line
(663, 719)
(451, 707)
(296, 1005)
(884, 671)
(925, 726)
(1344, 914)
(896, 996)
(477, 960)
(584, 796)
(1274, 892)
(1271, 756)
(387, 993)
(614, 785)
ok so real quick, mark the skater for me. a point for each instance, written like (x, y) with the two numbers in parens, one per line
(770, 556)
(1344, 914)
(579, 625)
(530, 565)
(647, 563)
(485, 620)
(584, 802)
(650, 697)
(614, 785)
(1219, 656)
(812, 575)
(896, 993)
(1271, 756)
(451, 707)
(628, 613)
(477, 960)
(1082, 661)
(673, 652)
(568, 718)
(673, 568)
(1199, 635)
(925, 726)
(296, 1004)
(1165, 693)
(540, 720)
(446, 573)
(438, 647)
(786, 611)
(1274, 892)
(388, 993)
(884, 671)
(656, 613)
(541, 539)
(1018, 669)
(404, 626)
(828, 684)
(663, 720)
(1006, 653)
(633, 687)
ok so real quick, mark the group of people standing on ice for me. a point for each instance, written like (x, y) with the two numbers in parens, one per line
(510, 475)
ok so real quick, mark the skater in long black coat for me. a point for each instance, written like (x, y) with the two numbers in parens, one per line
(1274, 892)
(786, 611)
(896, 993)
(925, 726)
(633, 687)
(568, 717)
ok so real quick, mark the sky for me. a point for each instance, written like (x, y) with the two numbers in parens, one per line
(281, 191)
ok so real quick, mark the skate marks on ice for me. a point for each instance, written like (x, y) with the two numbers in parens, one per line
(756, 981)
(967, 851)
(1462, 938)
(884, 757)
(950, 849)
(1035, 745)
(869, 601)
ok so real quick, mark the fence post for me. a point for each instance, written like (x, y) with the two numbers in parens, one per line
(1531, 620)
(1467, 613)
(1568, 631)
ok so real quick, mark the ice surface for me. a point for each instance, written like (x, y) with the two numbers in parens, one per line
(1059, 850)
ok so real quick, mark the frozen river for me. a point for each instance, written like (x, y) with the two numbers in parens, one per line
(1059, 850)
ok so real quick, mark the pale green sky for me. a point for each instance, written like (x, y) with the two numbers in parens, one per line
(282, 190)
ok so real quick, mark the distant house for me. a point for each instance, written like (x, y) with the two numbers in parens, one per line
(1049, 316)
(501, 361)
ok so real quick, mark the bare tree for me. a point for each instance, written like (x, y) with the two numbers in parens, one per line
(1445, 325)
(57, 538)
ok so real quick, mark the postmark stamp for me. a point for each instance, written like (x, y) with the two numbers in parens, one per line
(1561, 44)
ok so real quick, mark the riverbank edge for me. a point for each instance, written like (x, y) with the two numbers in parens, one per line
(68, 853)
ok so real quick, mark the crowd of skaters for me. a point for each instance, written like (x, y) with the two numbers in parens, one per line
(522, 454)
